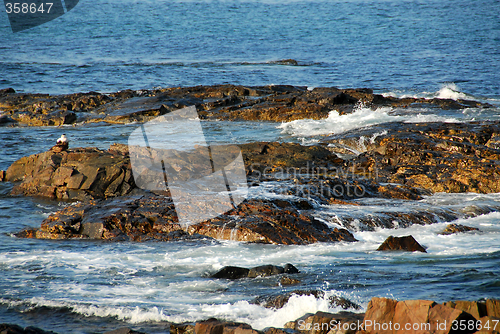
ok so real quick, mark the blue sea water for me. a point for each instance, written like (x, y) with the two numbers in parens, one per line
(385, 44)
(432, 48)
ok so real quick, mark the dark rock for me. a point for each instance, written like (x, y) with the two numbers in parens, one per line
(15, 329)
(124, 330)
(150, 216)
(273, 103)
(457, 228)
(406, 243)
(5, 91)
(290, 269)
(214, 326)
(285, 280)
(231, 272)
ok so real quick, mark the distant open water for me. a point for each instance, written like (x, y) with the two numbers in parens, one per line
(447, 49)
(112, 45)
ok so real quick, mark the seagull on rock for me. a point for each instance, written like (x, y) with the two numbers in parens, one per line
(63, 140)
(62, 144)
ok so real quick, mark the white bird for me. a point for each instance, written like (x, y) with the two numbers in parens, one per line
(63, 140)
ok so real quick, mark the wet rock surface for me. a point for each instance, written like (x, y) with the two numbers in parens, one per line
(440, 157)
(228, 102)
(153, 217)
(15, 329)
(457, 228)
(231, 272)
(406, 243)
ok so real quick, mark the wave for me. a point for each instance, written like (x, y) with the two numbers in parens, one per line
(362, 117)
(447, 91)
(256, 315)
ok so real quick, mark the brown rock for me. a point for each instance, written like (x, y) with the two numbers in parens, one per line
(379, 310)
(323, 323)
(457, 228)
(73, 174)
(214, 326)
(493, 307)
(412, 316)
(476, 309)
(2, 175)
(489, 325)
(406, 243)
(285, 280)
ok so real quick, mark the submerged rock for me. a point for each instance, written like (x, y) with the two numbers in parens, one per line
(457, 228)
(15, 329)
(231, 272)
(153, 217)
(406, 243)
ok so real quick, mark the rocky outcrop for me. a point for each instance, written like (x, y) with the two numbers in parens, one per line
(153, 217)
(231, 272)
(80, 173)
(429, 316)
(406, 243)
(440, 157)
(324, 322)
(457, 228)
(213, 326)
(229, 102)
(15, 329)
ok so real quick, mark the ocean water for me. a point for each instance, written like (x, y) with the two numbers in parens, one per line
(446, 49)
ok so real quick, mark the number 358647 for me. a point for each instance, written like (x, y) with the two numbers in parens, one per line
(28, 8)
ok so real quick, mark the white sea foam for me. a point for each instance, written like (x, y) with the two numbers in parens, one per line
(447, 91)
(360, 118)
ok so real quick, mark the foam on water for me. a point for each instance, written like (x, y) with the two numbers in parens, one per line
(361, 117)
(447, 91)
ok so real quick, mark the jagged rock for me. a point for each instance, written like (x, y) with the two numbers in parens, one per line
(81, 173)
(430, 316)
(440, 157)
(457, 228)
(214, 326)
(124, 330)
(231, 272)
(489, 325)
(285, 280)
(406, 243)
(272, 103)
(151, 216)
(323, 323)
(15, 329)
(476, 309)
(185, 328)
